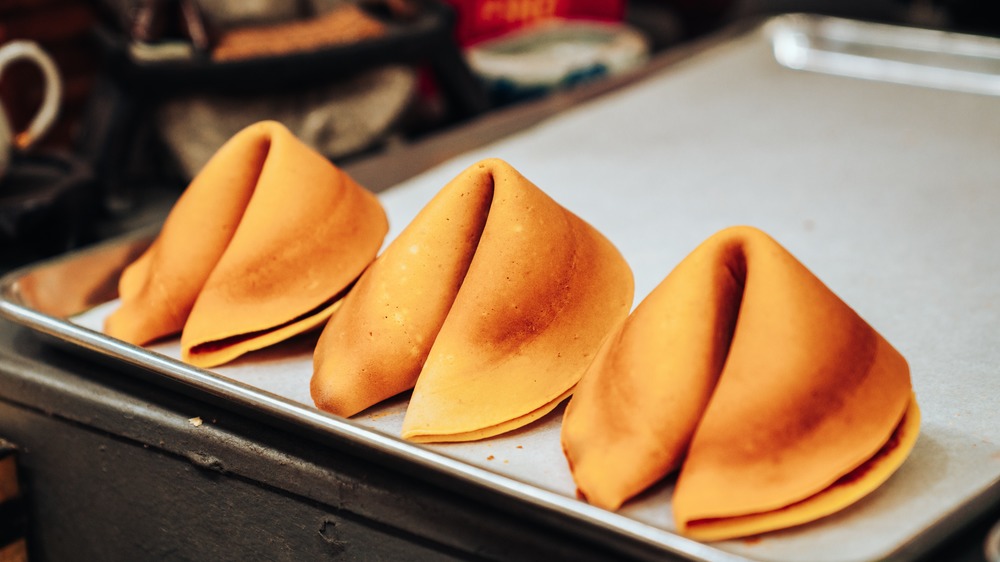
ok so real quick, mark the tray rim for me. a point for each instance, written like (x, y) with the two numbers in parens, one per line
(277, 410)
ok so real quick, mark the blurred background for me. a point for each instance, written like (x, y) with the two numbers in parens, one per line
(149, 89)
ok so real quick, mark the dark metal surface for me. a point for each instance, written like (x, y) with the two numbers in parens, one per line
(116, 470)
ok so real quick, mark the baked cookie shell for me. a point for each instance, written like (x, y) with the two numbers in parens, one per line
(745, 371)
(532, 290)
(258, 248)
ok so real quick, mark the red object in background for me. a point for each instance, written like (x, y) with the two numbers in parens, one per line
(479, 20)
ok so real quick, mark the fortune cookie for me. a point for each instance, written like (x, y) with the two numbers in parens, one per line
(778, 403)
(260, 247)
(492, 302)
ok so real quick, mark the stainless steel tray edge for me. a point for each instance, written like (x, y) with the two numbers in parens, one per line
(374, 445)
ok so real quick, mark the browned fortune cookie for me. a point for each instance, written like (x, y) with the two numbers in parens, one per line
(492, 302)
(778, 403)
(260, 247)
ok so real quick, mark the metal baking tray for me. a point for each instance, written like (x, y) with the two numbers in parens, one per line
(885, 187)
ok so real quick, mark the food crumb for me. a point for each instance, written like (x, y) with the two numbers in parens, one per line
(491, 457)
(196, 421)
(520, 447)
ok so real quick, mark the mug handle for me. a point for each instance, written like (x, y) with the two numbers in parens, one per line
(49, 110)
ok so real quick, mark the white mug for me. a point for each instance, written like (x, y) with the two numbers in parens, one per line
(9, 140)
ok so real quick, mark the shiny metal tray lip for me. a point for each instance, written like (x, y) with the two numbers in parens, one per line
(15, 306)
(896, 54)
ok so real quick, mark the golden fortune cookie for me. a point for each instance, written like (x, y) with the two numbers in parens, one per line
(259, 247)
(776, 401)
(490, 305)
